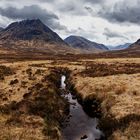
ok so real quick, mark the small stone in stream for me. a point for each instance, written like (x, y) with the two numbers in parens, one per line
(84, 137)
(74, 97)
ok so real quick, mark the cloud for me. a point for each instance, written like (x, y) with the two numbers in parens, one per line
(46, 1)
(123, 12)
(31, 12)
(89, 9)
(77, 7)
(33, 0)
(112, 34)
(71, 7)
(94, 1)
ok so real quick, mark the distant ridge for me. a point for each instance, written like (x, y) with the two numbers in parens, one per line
(85, 44)
(132, 51)
(120, 47)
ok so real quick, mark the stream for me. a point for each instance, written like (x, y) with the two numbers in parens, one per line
(78, 125)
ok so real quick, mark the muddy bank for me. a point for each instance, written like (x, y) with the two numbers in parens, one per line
(123, 125)
(113, 129)
(82, 121)
(91, 105)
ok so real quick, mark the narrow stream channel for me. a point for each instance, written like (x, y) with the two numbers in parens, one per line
(78, 125)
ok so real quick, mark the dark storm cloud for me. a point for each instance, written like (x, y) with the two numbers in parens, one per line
(112, 34)
(31, 12)
(122, 12)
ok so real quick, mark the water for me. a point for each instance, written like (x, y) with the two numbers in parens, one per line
(78, 124)
(63, 79)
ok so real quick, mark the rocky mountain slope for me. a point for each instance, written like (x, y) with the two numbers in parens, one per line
(84, 44)
(1, 28)
(135, 46)
(31, 36)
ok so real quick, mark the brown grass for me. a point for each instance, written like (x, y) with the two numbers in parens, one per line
(5, 71)
(93, 69)
(32, 92)
(113, 82)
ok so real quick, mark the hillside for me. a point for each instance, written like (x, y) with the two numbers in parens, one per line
(135, 46)
(31, 36)
(85, 45)
(120, 47)
(1, 28)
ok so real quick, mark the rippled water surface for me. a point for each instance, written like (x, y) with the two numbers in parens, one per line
(78, 124)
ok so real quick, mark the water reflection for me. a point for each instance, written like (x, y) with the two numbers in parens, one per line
(63, 79)
(78, 124)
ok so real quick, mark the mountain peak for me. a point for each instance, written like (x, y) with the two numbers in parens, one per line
(33, 23)
(28, 30)
(85, 44)
(32, 36)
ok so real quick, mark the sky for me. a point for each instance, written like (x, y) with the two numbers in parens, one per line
(110, 22)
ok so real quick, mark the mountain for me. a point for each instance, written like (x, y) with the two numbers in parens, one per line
(132, 51)
(135, 46)
(32, 36)
(85, 45)
(120, 47)
(1, 28)
(28, 30)
(137, 43)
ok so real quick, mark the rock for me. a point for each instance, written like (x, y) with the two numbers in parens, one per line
(84, 137)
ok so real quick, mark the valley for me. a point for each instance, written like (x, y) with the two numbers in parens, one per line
(31, 98)
(66, 89)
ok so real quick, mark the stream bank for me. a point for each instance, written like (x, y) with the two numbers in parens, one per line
(120, 108)
(82, 121)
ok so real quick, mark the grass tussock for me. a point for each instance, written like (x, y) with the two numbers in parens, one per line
(115, 83)
(109, 125)
(93, 69)
(42, 100)
(5, 71)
